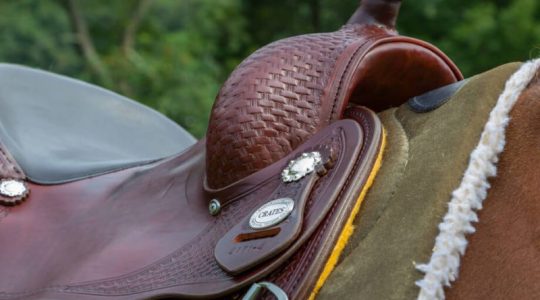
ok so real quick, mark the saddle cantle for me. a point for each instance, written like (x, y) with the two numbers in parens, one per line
(290, 89)
(269, 195)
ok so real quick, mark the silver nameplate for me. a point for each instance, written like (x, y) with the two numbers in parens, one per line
(271, 213)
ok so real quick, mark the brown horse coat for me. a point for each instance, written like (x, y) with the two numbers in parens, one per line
(502, 259)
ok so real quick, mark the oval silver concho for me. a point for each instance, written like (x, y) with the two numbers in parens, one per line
(301, 166)
(271, 213)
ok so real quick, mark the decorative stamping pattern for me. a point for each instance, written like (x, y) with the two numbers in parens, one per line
(272, 103)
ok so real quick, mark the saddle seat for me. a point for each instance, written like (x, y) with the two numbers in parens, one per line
(60, 129)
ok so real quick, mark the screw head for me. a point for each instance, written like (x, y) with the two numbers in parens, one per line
(214, 207)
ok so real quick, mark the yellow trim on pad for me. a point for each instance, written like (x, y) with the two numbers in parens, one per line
(349, 227)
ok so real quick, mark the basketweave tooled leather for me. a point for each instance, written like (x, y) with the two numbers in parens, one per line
(146, 232)
(288, 90)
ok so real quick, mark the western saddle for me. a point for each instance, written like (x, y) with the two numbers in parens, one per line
(103, 198)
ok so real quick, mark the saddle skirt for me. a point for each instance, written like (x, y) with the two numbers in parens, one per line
(146, 230)
(269, 195)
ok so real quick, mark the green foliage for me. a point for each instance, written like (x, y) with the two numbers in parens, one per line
(37, 33)
(174, 55)
(477, 35)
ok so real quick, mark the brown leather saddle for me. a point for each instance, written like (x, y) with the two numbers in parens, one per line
(103, 198)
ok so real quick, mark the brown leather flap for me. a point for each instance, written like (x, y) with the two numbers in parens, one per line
(272, 237)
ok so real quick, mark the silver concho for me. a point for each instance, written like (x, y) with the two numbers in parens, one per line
(12, 188)
(301, 166)
(271, 213)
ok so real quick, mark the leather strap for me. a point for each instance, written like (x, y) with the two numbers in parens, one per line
(274, 240)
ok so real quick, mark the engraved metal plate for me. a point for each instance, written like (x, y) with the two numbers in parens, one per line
(301, 166)
(12, 188)
(271, 213)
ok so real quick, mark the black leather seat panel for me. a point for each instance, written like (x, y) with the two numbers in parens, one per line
(59, 129)
(436, 98)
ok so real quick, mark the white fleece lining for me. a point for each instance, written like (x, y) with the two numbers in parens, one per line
(451, 241)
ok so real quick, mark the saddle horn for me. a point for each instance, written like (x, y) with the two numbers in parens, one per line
(376, 12)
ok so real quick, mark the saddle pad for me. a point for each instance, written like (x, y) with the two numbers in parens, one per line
(59, 129)
(146, 232)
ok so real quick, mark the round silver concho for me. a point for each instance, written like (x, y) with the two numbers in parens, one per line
(271, 213)
(301, 166)
(12, 188)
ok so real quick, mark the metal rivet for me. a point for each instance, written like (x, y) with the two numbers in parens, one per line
(214, 207)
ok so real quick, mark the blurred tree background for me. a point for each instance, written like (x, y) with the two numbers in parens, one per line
(173, 55)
